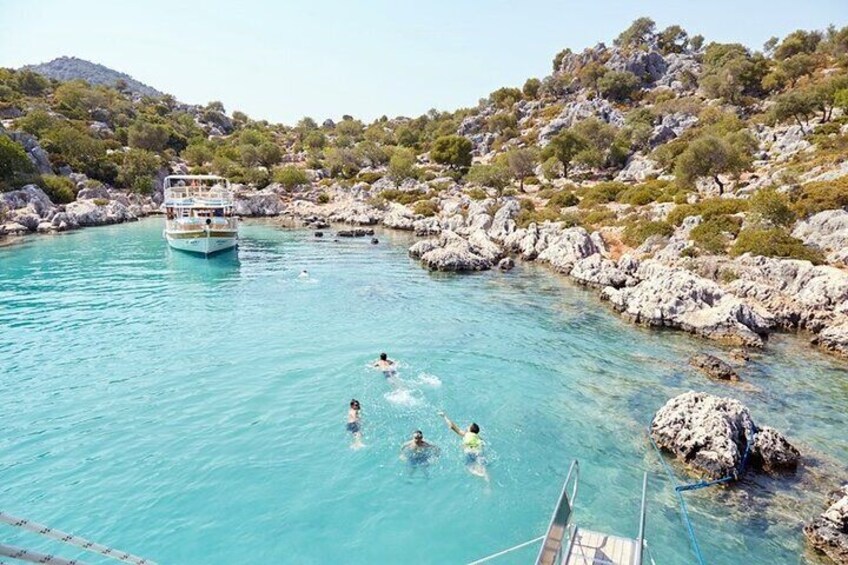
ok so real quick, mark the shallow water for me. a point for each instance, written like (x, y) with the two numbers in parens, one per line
(192, 410)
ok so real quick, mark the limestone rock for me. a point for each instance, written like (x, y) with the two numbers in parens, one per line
(711, 433)
(565, 249)
(714, 367)
(834, 339)
(261, 203)
(399, 217)
(827, 230)
(677, 298)
(597, 271)
(451, 252)
(506, 264)
(828, 532)
(649, 66)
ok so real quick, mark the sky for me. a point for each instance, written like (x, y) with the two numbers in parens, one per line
(283, 60)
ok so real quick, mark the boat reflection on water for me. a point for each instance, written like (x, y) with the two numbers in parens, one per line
(191, 267)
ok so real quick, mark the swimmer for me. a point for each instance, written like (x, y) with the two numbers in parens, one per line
(304, 274)
(418, 452)
(354, 424)
(472, 446)
(386, 365)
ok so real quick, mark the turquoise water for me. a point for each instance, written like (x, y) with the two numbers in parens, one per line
(193, 411)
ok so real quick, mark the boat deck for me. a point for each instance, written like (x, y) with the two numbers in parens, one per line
(593, 548)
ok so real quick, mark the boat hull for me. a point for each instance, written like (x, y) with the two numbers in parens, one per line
(202, 243)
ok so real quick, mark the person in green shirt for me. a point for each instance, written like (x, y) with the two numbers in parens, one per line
(472, 446)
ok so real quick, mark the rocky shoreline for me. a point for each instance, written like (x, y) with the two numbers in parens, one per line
(653, 285)
(736, 301)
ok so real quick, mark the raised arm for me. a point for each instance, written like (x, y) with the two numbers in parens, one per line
(451, 425)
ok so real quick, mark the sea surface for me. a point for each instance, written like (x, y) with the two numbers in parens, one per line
(193, 410)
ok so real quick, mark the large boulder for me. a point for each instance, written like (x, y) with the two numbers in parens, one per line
(827, 230)
(568, 247)
(711, 434)
(798, 293)
(834, 339)
(677, 298)
(399, 217)
(30, 197)
(598, 271)
(85, 213)
(452, 252)
(649, 66)
(261, 203)
(503, 223)
(828, 533)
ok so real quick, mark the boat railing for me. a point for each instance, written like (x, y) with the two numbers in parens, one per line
(199, 224)
(559, 527)
(640, 539)
(198, 196)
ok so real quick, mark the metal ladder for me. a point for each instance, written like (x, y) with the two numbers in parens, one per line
(566, 544)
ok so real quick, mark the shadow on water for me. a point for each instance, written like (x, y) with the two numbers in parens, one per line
(199, 268)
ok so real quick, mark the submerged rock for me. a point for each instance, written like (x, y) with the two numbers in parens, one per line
(710, 434)
(828, 532)
(714, 367)
(506, 264)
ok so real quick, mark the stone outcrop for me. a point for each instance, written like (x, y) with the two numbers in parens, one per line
(568, 247)
(399, 217)
(714, 367)
(828, 532)
(452, 252)
(710, 435)
(677, 298)
(827, 230)
(258, 204)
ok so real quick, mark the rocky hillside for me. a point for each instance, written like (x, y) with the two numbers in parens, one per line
(72, 68)
(700, 186)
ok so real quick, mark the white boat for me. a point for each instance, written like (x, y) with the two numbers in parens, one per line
(199, 214)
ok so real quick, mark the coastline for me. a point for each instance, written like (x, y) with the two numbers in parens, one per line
(653, 285)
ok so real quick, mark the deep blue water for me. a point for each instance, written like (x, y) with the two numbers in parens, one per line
(193, 410)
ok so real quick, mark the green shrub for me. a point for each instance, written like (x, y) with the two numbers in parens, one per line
(707, 209)
(477, 193)
(290, 177)
(369, 176)
(818, 196)
(635, 233)
(527, 216)
(640, 194)
(774, 242)
(61, 190)
(772, 207)
(100, 201)
(13, 159)
(563, 199)
(401, 196)
(599, 217)
(711, 235)
(426, 208)
(531, 180)
(601, 193)
(323, 198)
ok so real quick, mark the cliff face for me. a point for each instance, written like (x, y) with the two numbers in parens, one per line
(72, 68)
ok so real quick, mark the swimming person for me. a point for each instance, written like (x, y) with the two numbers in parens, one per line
(304, 274)
(418, 452)
(386, 365)
(354, 424)
(472, 446)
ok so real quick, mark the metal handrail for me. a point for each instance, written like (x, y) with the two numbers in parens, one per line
(573, 471)
(640, 540)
